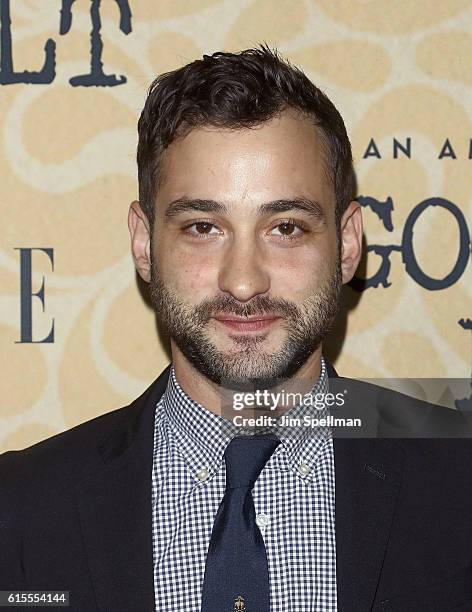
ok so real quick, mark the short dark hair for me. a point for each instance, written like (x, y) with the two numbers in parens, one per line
(236, 90)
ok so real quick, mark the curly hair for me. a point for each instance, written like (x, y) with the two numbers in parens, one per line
(236, 90)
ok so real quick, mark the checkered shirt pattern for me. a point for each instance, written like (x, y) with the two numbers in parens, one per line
(293, 498)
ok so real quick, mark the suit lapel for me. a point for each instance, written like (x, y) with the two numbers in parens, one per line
(115, 512)
(368, 474)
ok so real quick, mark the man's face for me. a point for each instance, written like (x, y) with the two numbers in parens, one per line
(245, 269)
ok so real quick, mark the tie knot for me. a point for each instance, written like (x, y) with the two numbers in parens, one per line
(245, 458)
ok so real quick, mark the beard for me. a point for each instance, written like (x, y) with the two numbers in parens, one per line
(306, 326)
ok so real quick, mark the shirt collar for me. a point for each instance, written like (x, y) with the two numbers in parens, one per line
(202, 436)
(304, 444)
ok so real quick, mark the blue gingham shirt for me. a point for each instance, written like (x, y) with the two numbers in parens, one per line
(293, 498)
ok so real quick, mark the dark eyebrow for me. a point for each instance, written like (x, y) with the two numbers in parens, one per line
(186, 204)
(284, 205)
(304, 204)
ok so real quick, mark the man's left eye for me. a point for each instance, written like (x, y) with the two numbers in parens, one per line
(288, 229)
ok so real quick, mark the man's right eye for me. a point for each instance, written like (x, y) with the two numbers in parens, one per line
(201, 229)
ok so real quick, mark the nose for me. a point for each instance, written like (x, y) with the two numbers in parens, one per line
(243, 272)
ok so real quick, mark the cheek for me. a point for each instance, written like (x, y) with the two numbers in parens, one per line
(300, 271)
(189, 275)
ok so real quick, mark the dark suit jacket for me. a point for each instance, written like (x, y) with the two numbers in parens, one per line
(75, 511)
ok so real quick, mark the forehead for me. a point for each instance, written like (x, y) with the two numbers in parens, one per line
(282, 157)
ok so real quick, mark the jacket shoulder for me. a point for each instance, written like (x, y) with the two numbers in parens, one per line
(69, 457)
(73, 451)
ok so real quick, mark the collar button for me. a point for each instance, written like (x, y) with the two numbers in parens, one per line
(304, 469)
(202, 474)
(262, 520)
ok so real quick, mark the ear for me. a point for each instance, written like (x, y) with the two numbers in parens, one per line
(140, 240)
(351, 237)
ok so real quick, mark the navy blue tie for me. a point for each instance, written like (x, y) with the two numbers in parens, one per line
(236, 570)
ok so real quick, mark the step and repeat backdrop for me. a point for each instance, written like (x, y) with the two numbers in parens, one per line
(77, 337)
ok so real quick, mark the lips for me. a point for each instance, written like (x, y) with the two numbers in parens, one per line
(247, 324)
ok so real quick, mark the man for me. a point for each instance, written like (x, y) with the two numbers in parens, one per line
(245, 231)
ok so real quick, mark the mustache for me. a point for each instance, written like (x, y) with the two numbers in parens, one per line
(259, 305)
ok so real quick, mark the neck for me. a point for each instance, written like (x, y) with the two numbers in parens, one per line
(215, 399)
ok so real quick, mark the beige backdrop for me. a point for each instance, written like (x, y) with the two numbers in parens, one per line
(395, 69)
